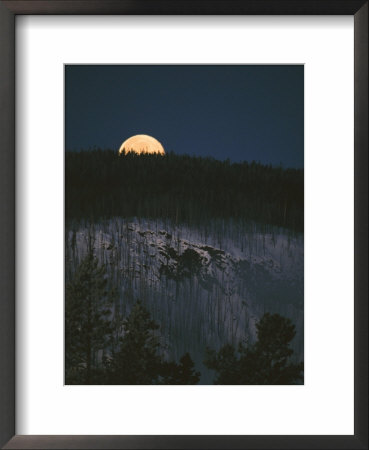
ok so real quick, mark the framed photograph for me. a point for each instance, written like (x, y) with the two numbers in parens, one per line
(184, 224)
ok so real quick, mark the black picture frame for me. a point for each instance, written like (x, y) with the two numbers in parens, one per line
(8, 11)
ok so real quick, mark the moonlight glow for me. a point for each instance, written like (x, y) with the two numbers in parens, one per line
(142, 143)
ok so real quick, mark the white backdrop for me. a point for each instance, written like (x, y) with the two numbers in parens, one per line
(324, 405)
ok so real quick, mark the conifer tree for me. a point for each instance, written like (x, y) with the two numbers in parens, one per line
(182, 373)
(137, 360)
(140, 357)
(87, 321)
(268, 361)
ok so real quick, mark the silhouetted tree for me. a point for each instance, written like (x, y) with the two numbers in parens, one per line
(182, 373)
(266, 362)
(137, 360)
(87, 321)
(140, 360)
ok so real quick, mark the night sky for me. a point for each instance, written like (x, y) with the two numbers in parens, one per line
(240, 112)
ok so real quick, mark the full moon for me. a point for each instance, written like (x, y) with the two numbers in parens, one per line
(141, 143)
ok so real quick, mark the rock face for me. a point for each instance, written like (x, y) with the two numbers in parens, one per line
(205, 286)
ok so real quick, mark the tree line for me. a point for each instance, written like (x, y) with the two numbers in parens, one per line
(186, 189)
(103, 347)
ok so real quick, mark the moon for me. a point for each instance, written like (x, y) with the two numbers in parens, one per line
(141, 143)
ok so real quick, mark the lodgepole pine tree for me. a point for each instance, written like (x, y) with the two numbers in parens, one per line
(268, 361)
(87, 321)
(139, 358)
(182, 373)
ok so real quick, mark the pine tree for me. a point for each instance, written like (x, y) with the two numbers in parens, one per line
(272, 351)
(140, 357)
(182, 373)
(268, 361)
(137, 360)
(87, 321)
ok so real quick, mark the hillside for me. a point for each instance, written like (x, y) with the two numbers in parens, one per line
(205, 287)
(185, 189)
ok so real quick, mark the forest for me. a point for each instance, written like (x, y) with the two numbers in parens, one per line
(102, 347)
(182, 270)
(102, 184)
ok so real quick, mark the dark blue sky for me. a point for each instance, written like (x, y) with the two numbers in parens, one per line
(241, 112)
